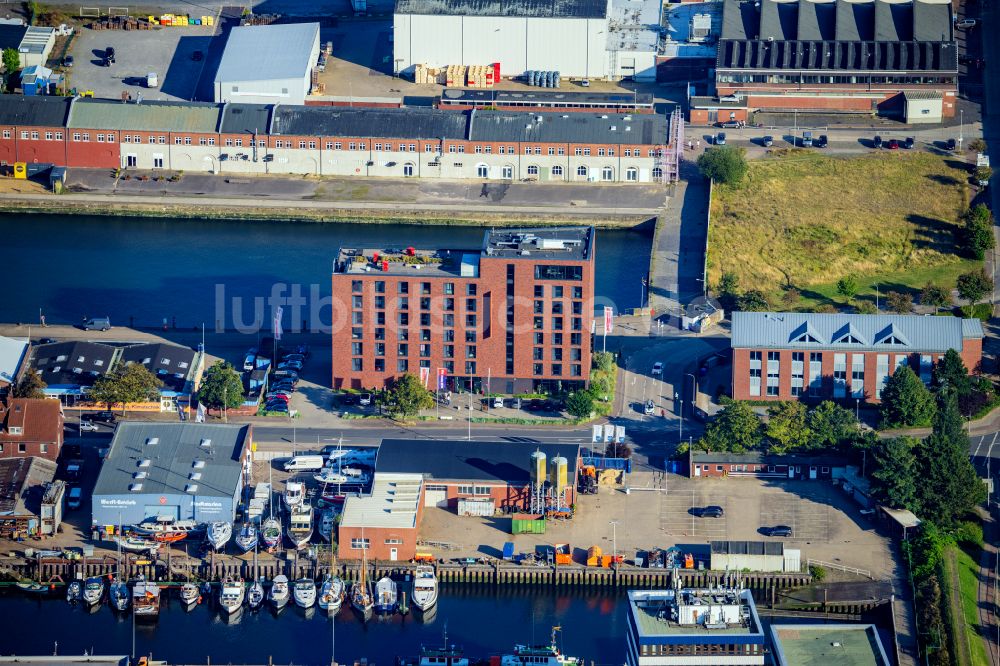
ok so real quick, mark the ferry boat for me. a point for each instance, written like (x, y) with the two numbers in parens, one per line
(537, 655)
(425, 588)
(145, 598)
(446, 655)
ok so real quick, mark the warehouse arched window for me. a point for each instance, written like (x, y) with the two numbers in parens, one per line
(607, 173)
(657, 173)
(408, 169)
(532, 170)
(581, 171)
(482, 171)
(557, 170)
(632, 174)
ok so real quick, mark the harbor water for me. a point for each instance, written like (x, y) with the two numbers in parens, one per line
(145, 270)
(483, 621)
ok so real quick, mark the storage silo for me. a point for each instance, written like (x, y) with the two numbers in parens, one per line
(559, 475)
(537, 467)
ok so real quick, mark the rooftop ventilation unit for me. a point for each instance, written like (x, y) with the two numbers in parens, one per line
(194, 476)
(139, 475)
(135, 487)
(205, 443)
(152, 441)
(144, 462)
(191, 488)
(198, 464)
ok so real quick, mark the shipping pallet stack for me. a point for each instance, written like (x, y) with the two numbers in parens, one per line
(120, 23)
(260, 19)
(455, 76)
(425, 74)
(481, 76)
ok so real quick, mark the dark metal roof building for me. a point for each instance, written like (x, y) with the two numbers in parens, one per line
(407, 123)
(517, 8)
(72, 364)
(34, 111)
(172, 364)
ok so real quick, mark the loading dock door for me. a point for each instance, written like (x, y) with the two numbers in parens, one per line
(436, 496)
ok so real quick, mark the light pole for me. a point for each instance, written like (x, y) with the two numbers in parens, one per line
(857, 409)
(961, 127)
(614, 541)
(680, 415)
(876, 295)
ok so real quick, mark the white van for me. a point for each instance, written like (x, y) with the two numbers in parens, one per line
(309, 463)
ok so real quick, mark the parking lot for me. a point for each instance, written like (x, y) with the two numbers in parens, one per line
(168, 52)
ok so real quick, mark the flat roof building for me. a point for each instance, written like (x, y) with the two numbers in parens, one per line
(827, 645)
(796, 355)
(184, 471)
(13, 351)
(384, 522)
(693, 626)
(268, 64)
(23, 483)
(517, 309)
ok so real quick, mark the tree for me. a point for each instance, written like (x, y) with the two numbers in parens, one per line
(729, 290)
(618, 450)
(949, 485)
(982, 174)
(580, 404)
(407, 396)
(11, 61)
(950, 372)
(31, 385)
(972, 286)
(736, 429)
(724, 164)
(847, 287)
(791, 297)
(787, 427)
(935, 297)
(976, 234)
(898, 302)
(753, 301)
(604, 361)
(221, 387)
(125, 385)
(906, 401)
(894, 481)
(830, 425)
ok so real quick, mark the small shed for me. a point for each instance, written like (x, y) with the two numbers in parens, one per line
(902, 520)
(750, 555)
(35, 80)
(922, 106)
(701, 314)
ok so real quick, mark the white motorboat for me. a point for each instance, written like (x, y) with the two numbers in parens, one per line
(165, 525)
(331, 594)
(295, 494)
(247, 538)
(118, 594)
(300, 525)
(326, 524)
(270, 533)
(136, 544)
(145, 598)
(330, 475)
(425, 588)
(386, 596)
(232, 594)
(219, 533)
(278, 595)
(74, 591)
(255, 595)
(190, 595)
(93, 591)
(304, 593)
(543, 655)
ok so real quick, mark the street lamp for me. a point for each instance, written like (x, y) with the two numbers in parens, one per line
(614, 541)
(680, 415)
(857, 409)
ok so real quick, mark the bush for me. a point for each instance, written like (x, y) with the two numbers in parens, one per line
(604, 361)
(969, 533)
(866, 307)
(976, 234)
(818, 573)
(981, 311)
(580, 404)
(724, 164)
(753, 301)
(900, 302)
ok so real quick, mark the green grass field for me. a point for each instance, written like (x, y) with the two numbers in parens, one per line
(806, 219)
(969, 643)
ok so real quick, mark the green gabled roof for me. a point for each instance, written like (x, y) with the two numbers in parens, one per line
(151, 116)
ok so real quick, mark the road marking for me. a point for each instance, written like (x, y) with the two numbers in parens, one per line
(975, 454)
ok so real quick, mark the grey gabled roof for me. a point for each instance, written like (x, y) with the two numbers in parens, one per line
(58, 362)
(163, 360)
(407, 123)
(245, 118)
(855, 20)
(932, 21)
(817, 20)
(913, 333)
(778, 19)
(521, 8)
(149, 115)
(608, 128)
(33, 111)
(266, 52)
(893, 21)
(740, 20)
(172, 459)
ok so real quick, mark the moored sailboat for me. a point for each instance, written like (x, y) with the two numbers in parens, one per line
(219, 533)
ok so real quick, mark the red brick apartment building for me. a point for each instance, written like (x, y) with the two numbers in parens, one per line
(882, 57)
(511, 316)
(31, 427)
(849, 357)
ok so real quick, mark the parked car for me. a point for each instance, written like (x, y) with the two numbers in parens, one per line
(276, 406)
(893, 144)
(152, 80)
(709, 512)
(966, 23)
(951, 145)
(88, 426)
(584, 83)
(780, 531)
(649, 408)
(720, 139)
(729, 124)
(105, 417)
(515, 403)
(290, 365)
(96, 324)
(768, 141)
(877, 141)
(497, 402)
(807, 139)
(366, 399)
(294, 357)
(821, 141)
(908, 143)
(349, 399)
(249, 359)
(657, 369)
(535, 405)
(278, 397)
(286, 373)
(68, 61)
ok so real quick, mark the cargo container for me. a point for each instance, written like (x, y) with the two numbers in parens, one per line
(594, 554)
(527, 523)
(508, 551)
(473, 507)
(564, 553)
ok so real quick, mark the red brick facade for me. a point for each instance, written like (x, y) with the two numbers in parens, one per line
(31, 428)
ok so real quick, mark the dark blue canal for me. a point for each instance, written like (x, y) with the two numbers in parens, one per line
(481, 620)
(149, 269)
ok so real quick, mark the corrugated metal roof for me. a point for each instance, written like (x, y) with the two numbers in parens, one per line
(11, 36)
(779, 19)
(34, 111)
(243, 118)
(172, 459)
(855, 20)
(817, 20)
(264, 52)
(893, 21)
(12, 351)
(932, 21)
(578, 127)
(392, 502)
(740, 20)
(889, 332)
(413, 123)
(150, 116)
(525, 8)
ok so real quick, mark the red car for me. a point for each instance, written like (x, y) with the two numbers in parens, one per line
(893, 144)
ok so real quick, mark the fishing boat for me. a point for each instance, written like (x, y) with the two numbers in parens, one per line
(137, 544)
(165, 525)
(270, 533)
(446, 655)
(304, 593)
(255, 595)
(278, 595)
(219, 533)
(93, 591)
(247, 538)
(386, 596)
(33, 587)
(300, 525)
(118, 594)
(331, 475)
(74, 591)
(543, 655)
(331, 594)
(190, 595)
(425, 588)
(145, 598)
(295, 494)
(231, 595)
(361, 591)
(326, 524)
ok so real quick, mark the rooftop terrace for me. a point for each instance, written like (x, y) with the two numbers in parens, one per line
(408, 261)
(657, 613)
